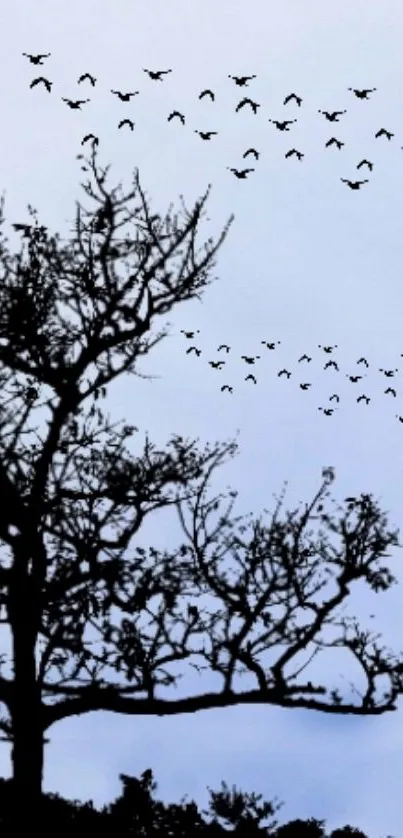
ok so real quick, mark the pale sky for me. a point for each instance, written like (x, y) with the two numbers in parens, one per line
(308, 262)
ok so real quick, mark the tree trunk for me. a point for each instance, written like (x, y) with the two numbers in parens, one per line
(26, 708)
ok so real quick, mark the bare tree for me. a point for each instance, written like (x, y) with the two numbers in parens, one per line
(60, 492)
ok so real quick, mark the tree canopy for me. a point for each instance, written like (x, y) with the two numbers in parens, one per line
(62, 490)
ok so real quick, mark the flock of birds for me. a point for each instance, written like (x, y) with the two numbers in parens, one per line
(240, 82)
(250, 360)
(282, 125)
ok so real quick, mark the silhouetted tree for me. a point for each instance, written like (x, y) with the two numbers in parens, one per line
(60, 491)
(137, 814)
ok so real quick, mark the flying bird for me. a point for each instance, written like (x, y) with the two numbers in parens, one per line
(360, 398)
(226, 387)
(293, 96)
(383, 131)
(216, 364)
(246, 101)
(250, 377)
(282, 126)
(366, 163)
(334, 140)
(128, 122)
(305, 386)
(331, 364)
(304, 358)
(283, 372)
(252, 151)
(207, 92)
(332, 117)
(156, 74)
(190, 335)
(391, 390)
(90, 137)
(124, 97)
(353, 184)
(363, 361)
(75, 103)
(327, 411)
(362, 94)
(292, 151)
(206, 135)
(242, 81)
(224, 346)
(37, 59)
(327, 349)
(240, 173)
(41, 79)
(193, 349)
(250, 359)
(88, 76)
(178, 114)
(270, 345)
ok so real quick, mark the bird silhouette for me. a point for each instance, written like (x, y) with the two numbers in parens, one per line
(283, 372)
(251, 151)
(181, 116)
(363, 361)
(190, 335)
(41, 79)
(88, 76)
(206, 135)
(250, 377)
(353, 184)
(156, 74)
(216, 364)
(242, 81)
(207, 92)
(327, 349)
(305, 386)
(124, 97)
(365, 163)
(400, 418)
(224, 346)
(388, 373)
(327, 411)
(193, 349)
(334, 396)
(37, 59)
(335, 141)
(128, 122)
(332, 117)
(354, 378)
(292, 96)
(391, 390)
(282, 126)
(90, 137)
(362, 94)
(270, 345)
(240, 173)
(75, 103)
(363, 396)
(384, 132)
(297, 153)
(304, 358)
(246, 101)
(226, 387)
(250, 359)
(331, 364)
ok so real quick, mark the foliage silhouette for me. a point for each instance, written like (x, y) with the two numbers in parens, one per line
(60, 492)
(137, 814)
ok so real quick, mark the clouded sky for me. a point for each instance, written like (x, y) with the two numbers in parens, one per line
(309, 262)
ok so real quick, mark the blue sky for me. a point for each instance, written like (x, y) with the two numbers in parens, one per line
(306, 262)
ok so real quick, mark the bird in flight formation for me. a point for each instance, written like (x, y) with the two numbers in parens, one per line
(282, 125)
(353, 376)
